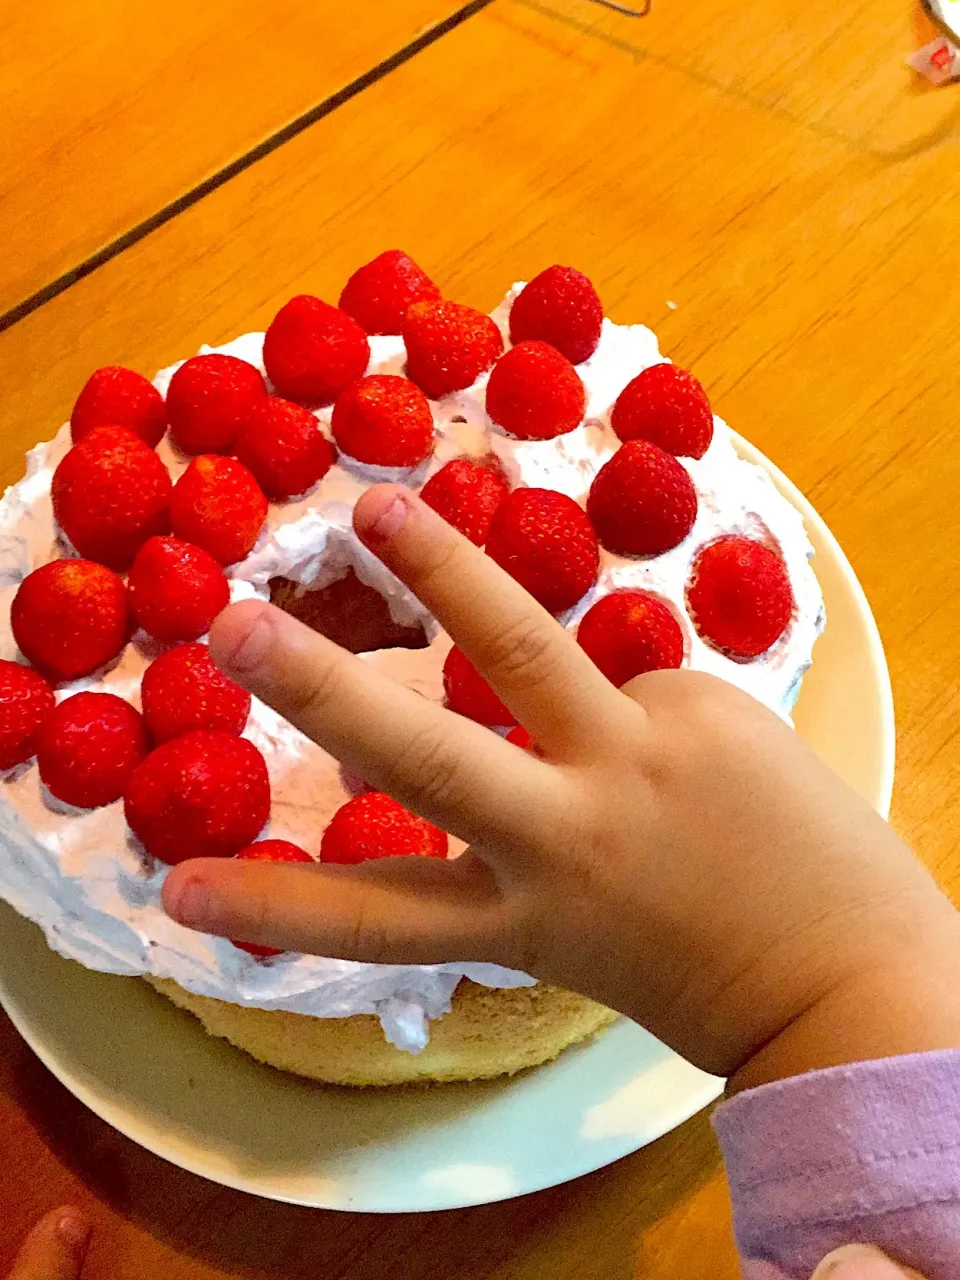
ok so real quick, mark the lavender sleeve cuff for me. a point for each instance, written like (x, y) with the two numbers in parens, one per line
(868, 1152)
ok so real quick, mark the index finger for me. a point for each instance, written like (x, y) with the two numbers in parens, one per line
(458, 774)
(543, 676)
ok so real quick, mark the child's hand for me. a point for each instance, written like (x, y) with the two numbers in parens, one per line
(861, 1262)
(677, 853)
(54, 1249)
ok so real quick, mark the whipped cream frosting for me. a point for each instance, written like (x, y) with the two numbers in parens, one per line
(81, 876)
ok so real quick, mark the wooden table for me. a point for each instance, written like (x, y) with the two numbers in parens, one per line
(773, 192)
(115, 122)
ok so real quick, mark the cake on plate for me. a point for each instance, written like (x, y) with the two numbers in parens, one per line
(590, 467)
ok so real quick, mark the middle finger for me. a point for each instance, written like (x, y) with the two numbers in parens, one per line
(543, 676)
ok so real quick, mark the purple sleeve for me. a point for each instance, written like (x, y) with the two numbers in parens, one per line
(865, 1153)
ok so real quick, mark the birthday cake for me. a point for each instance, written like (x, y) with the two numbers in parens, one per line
(583, 461)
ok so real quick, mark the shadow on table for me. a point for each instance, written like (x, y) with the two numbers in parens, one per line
(601, 1215)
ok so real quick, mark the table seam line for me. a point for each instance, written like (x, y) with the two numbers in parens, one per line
(226, 173)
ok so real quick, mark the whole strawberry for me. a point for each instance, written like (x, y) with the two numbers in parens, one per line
(176, 589)
(467, 494)
(668, 407)
(642, 502)
(628, 633)
(70, 617)
(26, 700)
(448, 346)
(283, 446)
(312, 351)
(218, 505)
(534, 392)
(110, 493)
(379, 293)
(118, 397)
(204, 795)
(559, 306)
(383, 420)
(208, 401)
(184, 689)
(374, 825)
(739, 596)
(469, 694)
(89, 747)
(269, 851)
(544, 540)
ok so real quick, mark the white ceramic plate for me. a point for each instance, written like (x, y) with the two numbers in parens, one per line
(151, 1072)
(948, 11)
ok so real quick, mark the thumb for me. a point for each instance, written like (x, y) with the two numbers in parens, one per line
(861, 1262)
(54, 1249)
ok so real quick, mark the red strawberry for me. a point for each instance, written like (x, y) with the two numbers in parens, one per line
(118, 397)
(26, 700)
(642, 501)
(378, 294)
(176, 589)
(467, 494)
(374, 825)
(534, 393)
(70, 617)
(668, 407)
(739, 596)
(184, 690)
(544, 540)
(110, 493)
(205, 795)
(208, 401)
(218, 505)
(269, 851)
(469, 694)
(630, 632)
(283, 446)
(89, 747)
(383, 420)
(559, 306)
(448, 346)
(521, 738)
(312, 351)
(274, 851)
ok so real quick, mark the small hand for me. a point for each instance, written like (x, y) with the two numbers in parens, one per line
(861, 1262)
(54, 1249)
(675, 851)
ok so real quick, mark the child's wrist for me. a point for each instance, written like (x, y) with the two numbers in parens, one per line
(903, 1002)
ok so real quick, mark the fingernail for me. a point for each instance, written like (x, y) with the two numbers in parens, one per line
(389, 520)
(858, 1262)
(74, 1230)
(254, 647)
(189, 901)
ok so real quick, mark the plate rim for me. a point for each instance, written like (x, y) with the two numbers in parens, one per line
(692, 1105)
(884, 797)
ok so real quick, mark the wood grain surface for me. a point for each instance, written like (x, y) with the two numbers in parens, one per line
(769, 189)
(109, 112)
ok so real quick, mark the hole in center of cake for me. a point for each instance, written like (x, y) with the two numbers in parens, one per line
(348, 612)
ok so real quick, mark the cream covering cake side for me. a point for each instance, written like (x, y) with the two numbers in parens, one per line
(80, 875)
